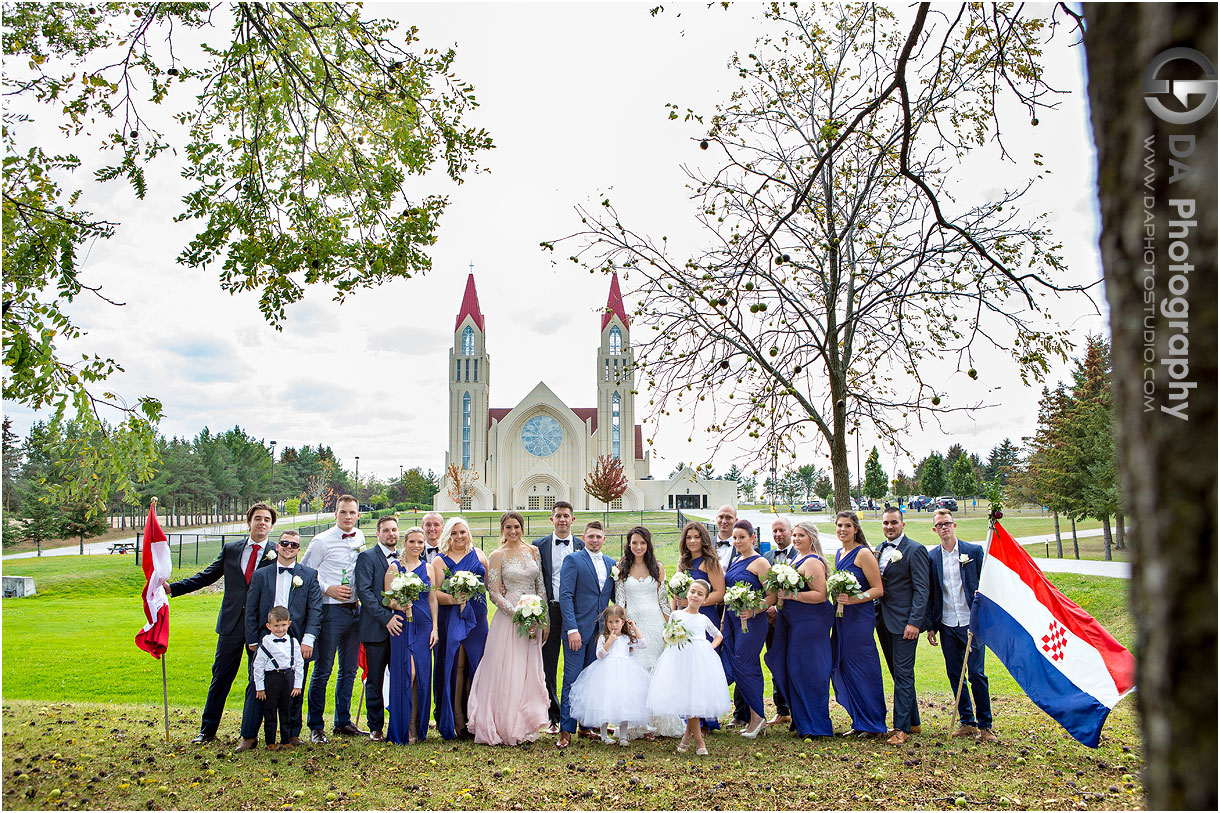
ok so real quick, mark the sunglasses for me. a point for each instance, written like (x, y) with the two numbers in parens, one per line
(288, 543)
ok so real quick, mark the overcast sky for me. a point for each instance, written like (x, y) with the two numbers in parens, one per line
(574, 97)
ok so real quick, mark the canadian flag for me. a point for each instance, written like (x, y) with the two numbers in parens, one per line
(154, 638)
(1062, 658)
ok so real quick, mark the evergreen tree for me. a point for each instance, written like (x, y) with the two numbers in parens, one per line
(962, 480)
(932, 481)
(1001, 462)
(875, 483)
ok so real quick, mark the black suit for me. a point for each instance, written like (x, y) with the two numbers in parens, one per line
(905, 601)
(230, 625)
(371, 567)
(554, 640)
(305, 608)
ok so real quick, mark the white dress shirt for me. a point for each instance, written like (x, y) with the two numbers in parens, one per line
(785, 556)
(724, 552)
(954, 610)
(283, 588)
(885, 552)
(599, 565)
(330, 554)
(286, 652)
(249, 549)
(558, 554)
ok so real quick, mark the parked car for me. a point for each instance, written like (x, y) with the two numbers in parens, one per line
(815, 504)
(947, 503)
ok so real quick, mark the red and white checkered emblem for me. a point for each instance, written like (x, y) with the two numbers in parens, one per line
(1054, 642)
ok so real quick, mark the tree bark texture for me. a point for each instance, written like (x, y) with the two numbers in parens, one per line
(1168, 465)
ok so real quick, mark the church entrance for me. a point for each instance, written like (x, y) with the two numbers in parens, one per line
(690, 500)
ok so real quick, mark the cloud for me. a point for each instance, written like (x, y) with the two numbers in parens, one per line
(410, 340)
(548, 322)
(206, 359)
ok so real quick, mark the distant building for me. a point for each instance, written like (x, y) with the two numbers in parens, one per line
(540, 451)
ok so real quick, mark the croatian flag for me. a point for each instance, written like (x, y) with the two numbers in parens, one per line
(154, 638)
(1060, 656)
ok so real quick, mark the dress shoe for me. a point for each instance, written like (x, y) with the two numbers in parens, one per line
(897, 738)
(202, 738)
(780, 719)
(376, 736)
(590, 734)
(350, 730)
(247, 744)
(756, 731)
(915, 729)
(296, 742)
(553, 728)
(966, 731)
(565, 739)
(271, 746)
(317, 736)
(987, 735)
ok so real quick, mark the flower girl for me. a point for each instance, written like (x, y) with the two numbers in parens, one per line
(688, 680)
(612, 689)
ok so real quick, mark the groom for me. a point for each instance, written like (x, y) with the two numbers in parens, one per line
(585, 588)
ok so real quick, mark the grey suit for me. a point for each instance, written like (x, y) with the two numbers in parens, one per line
(907, 592)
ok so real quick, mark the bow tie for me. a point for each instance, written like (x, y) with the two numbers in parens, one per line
(392, 554)
(720, 543)
(349, 536)
(286, 569)
(563, 541)
(280, 640)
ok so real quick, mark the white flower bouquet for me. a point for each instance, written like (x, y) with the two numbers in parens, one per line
(678, 584)
(404, 589)
(462, 585)
(675, 633)
(783, 579)
(842, 582)
(530, 615)
(741, 598)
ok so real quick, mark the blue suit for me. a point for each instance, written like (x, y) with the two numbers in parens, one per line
(953, 639)
(550, 648)
(581, 603)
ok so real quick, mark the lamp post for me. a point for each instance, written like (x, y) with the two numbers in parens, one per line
(357, 482)
(400, 488)
(273, 474)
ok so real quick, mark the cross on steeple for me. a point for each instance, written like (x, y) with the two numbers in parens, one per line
(472, 266)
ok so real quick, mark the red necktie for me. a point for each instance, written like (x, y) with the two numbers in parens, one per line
(251, 564)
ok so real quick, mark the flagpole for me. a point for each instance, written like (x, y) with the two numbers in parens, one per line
(165, 696)
(961, 681)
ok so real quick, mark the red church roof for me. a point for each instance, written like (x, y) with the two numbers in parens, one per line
(470, 305)
(614, 304)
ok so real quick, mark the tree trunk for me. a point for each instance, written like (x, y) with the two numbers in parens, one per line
(82, 545)
(1119, 532)
(1168, 466)
(1058, 537)
(1075, 539)
(1106, 536)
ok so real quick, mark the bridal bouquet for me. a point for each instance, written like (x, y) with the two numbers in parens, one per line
(842, 582)
(678, 584)
(530, 615)
(742, 597)
(462, 585)
(675, 633)
(783, 579)
(404, 589)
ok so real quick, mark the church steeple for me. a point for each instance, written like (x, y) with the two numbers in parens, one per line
(470, 304)
(615, 382)
(469, 377)
(614, 304)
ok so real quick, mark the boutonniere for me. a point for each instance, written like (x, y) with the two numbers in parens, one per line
(614, 572)
(964, 559)
(897, 557)
(296, 581)
(270, 553)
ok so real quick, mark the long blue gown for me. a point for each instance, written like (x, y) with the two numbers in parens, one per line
(466, 630)
(799, 660)
(411, 646)
(714, 613)
(855, 666)
(745, 648)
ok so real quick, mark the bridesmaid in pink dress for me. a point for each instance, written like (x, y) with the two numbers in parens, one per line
(508, 698)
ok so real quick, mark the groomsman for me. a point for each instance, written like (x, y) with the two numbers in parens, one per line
(377, 622)
(585, 588)
(903, 610)
(553, 549)
(726, 518)
(956, 568)
(294, 586)
(782, 553)
(333, 554)
(236, 563)
(433, 523)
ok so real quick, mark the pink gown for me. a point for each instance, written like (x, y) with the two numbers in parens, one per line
(508, 698)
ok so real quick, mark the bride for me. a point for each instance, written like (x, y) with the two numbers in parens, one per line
(640, 590)
(508, 698)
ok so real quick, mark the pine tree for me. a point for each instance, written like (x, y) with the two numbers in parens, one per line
(875, 483)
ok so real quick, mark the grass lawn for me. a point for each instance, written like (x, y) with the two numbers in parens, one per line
(100, 711)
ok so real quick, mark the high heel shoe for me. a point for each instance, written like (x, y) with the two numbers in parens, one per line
(683, 747)
(758, 730)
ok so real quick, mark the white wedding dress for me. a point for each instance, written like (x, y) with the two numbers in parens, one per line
(647, 604)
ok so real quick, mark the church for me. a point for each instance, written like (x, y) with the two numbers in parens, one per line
(539, 451)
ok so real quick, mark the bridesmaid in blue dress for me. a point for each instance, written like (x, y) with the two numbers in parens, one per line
(856, 669)
(411, 650)
(750, 568)
(799, 655)
(465, 628)
(698, 559)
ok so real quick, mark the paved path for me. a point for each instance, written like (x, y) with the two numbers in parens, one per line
(830, 545)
